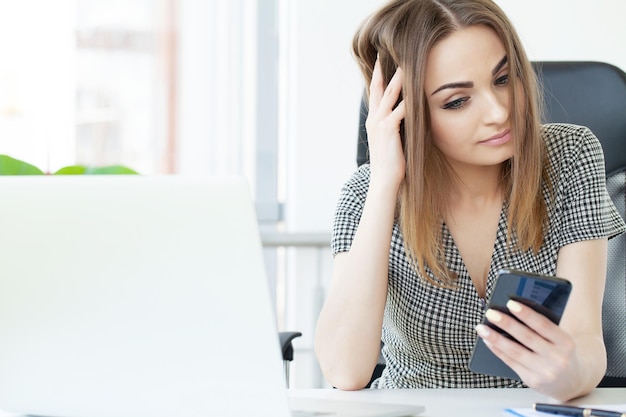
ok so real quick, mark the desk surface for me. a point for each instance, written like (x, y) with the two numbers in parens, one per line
(463, 402)
(481, 402)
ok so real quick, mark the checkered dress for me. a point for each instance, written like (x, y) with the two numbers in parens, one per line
(428, 331)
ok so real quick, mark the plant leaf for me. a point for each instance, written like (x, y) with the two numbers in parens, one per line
(107, 170)
(71, 170)
(12, 166)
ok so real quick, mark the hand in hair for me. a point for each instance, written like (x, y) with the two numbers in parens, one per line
(383, 128)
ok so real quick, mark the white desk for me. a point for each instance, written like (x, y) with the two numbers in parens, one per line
(452, 402)
(463, 402)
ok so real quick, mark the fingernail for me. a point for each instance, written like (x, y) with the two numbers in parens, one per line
(514, 306)
(482, 330)
(493, 315)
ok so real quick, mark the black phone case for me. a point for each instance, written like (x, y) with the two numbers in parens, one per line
(545, 294)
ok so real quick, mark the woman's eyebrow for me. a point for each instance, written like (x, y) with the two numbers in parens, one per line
(499, 66)
(469, 84)
(460, 84)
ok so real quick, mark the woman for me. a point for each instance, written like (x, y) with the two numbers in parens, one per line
(463, 180)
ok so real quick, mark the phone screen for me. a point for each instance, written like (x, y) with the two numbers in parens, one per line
(545, 294)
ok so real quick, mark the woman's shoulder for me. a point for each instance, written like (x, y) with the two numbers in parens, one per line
(572, 150)
(570, 141)
(354, 193)
(563, 131)
(359, 181)
(566, 135)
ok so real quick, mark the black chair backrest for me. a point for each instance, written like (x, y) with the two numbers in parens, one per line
(591, 94)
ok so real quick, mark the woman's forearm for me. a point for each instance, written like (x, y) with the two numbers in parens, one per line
(347, 340)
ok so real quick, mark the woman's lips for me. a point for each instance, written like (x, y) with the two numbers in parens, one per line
(498, 139)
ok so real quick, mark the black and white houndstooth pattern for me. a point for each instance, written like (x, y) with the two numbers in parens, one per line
(428, 331)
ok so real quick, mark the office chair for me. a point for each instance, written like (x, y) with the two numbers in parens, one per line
(591, 94)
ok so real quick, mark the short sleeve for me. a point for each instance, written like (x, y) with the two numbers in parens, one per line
(349, 209)
(587, 211)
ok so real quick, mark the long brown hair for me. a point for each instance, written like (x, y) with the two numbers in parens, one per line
(402, 33)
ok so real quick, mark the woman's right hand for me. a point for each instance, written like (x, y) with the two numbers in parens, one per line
(387, 161)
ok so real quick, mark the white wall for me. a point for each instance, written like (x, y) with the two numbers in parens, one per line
(324, 110)
(324, 92)
(562, 30)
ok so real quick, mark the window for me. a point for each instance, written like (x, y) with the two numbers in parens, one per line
(89, 82)
(126, 83)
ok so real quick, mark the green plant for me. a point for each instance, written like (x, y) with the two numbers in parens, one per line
(12, 166)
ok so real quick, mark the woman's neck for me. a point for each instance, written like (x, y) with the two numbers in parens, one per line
(476, 185)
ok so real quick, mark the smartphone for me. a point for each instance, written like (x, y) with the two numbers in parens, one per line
(545, 294)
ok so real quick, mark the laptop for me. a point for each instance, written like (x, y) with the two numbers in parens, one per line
(139, 296)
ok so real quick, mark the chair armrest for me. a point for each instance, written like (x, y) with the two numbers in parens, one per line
(286, 346)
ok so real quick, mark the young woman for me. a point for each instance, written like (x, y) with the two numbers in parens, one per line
(463, 180)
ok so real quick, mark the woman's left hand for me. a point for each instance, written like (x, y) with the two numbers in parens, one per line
(546, 359)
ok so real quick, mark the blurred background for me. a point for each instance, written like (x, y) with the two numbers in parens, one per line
(261, 88)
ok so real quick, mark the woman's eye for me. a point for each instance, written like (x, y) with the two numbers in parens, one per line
(455, 104)
(502, 80)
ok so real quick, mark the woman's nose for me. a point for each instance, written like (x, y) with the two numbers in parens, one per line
(497, 107)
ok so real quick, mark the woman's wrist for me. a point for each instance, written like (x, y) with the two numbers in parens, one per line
(385, 186)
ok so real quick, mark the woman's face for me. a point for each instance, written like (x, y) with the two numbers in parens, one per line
(466, 85)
